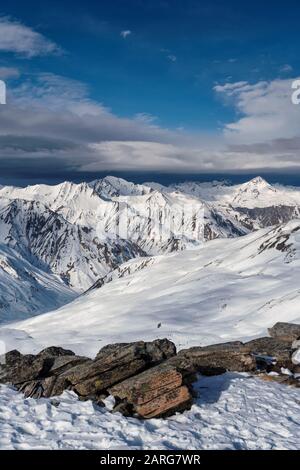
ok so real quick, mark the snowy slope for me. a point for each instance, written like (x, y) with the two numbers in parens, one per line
(228, 289)
(232, 411)
(26, 290)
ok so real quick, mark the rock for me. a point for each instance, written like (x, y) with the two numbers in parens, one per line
(19, 368)
(115, 363)
(55, 351)
(271, 354)
(7, 361)
(36, 376)
(285, 332)
(154, 393)
(296, 369)
(216, 359)
(11, 358)
(146, 379)
(157, 350)
(125, 408)
(23, 368)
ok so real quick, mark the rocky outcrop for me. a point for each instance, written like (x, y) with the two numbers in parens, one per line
(148, 379)
(37, 376)
(271, 354)
(54, 370)
(115, 363)
(154, 393)
(285, 332)
(216, 359)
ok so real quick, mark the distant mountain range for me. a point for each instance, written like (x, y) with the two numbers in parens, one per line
(56, 242)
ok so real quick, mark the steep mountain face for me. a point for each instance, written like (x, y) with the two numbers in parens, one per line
(225, 290)
(26, 290)
(48, 241)
(260, 217)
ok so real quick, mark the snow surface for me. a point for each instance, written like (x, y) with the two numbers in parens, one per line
(27, 290)
(232, 411)
(227, 290)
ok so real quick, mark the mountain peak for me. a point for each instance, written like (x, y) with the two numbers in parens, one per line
(111, 186)
(258, 181)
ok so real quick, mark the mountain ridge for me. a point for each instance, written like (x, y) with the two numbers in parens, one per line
(83, 232)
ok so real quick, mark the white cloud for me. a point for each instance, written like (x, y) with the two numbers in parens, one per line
(125, 33)
(53, 124)
(172, 57)
(265, 111)
(18, 38)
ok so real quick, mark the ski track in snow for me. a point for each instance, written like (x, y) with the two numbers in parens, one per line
(233, 411)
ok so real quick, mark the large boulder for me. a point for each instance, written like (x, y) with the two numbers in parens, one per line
(54, 369)
(115, 363)
(154, 393)
(215, 359)
(288, 332)
(270, 353)
(36, 375)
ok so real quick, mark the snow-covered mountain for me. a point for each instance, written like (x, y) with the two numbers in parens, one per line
(77, 235)
(48, 241)
(225, 290)
(111, 186)
(253, 194)
(255, 204)
(26, 289)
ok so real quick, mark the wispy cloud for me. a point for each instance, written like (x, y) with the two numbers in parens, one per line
(23, 40)
(169, 55)
(9, 72)
(265, 110)
(125, 33)
(286, 68)
(52, 127)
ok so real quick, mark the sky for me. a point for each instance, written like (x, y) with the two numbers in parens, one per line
(148, 88)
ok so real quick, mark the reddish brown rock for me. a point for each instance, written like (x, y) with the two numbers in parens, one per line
(153, 393)
(216, 359)
(288, 332)
(271, 354)
(115, 363)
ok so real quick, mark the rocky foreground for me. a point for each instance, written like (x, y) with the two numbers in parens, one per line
(149, 379)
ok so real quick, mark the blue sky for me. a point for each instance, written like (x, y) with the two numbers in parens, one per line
(173, 74)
